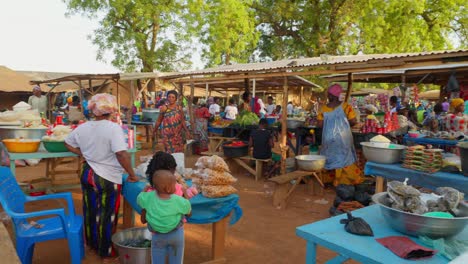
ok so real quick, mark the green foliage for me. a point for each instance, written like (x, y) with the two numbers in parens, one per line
(229, 31)
(246, 118)
(310, 28)
(142, 35)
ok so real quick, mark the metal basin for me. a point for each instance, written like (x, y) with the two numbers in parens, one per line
(20, 132)
(311, 162)
(387, 155)
(132, 255)
(419, 225)
(293, 123)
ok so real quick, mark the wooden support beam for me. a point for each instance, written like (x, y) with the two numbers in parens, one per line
(190, 107)
(284, 130)
(350, 86)
(132, 99)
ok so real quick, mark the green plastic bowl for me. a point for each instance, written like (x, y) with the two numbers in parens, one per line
(438, 214)
(55, 146)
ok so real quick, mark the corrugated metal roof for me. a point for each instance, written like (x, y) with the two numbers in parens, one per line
(323, 60)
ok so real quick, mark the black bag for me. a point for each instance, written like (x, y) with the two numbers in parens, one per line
(356, 225)
(452, 84)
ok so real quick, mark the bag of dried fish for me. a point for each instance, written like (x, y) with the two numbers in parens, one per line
(405, 198)
(451, 196)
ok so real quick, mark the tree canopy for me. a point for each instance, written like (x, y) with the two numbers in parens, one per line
(161, 35)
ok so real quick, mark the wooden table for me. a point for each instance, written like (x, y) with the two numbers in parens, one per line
(7, 248)
(330, 233)
(257, 171)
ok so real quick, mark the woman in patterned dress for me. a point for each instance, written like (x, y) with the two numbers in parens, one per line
(201, 125)
(172, 122)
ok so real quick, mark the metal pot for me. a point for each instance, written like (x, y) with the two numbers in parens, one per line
(311, 162)
(18, 132)
(293, 123)
(132, 255)
(420, 225)
(379, 154)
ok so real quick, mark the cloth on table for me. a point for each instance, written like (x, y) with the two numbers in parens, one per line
(204, 210)
(405, 247)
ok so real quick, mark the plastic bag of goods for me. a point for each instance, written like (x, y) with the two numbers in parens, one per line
(216, 191)
(180, 161)
(212, 177)
(214, 162)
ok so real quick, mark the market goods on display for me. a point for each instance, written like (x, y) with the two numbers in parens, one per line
(419, 158)
(58, 133)
(406, 198)
(246, 118)
(212, 177)
(221, 123)
(236, 144)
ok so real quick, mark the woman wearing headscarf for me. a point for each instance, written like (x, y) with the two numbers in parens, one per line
(456, 121)
(102, 145)
(336, 119)
(172, 122)
(201, 124)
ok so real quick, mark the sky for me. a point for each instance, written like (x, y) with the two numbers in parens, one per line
(36, 36)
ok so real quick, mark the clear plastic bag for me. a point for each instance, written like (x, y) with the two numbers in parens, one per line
(447, 247)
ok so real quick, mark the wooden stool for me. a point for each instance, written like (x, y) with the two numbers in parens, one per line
(257, 171)
(284, 188)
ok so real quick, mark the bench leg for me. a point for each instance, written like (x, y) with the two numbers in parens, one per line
(280, 195)
(128, 215)
(218, 235)
(259, 169)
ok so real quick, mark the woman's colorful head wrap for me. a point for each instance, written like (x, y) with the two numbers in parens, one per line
(335, 90)
(456, 102)
(103, 103)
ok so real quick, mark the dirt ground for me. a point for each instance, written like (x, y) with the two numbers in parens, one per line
(264, 234)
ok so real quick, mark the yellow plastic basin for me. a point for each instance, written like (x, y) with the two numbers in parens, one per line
(19, 145)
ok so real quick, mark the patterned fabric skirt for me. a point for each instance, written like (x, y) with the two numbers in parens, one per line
(101, 202)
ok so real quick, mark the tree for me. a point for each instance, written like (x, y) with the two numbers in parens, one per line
(229, 31)
(143, 35)
(313, 27)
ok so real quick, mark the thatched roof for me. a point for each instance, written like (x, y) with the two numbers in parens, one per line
(12, 81)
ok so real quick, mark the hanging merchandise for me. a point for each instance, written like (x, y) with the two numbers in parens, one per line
(383, 102)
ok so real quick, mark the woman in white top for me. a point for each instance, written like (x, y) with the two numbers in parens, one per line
(102, 145)
(231, 110)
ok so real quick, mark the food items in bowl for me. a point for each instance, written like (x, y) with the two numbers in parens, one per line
(380, 138)
(215, 191)
(21, 145)
(236, 144)
(59, 133)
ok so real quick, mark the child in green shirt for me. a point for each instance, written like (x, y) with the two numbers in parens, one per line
(164, 212)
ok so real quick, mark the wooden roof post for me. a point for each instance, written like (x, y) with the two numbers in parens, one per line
(206, 91)
(350, 86)
(284, 129)
(254, 84)
(403, 82)
(190, 103)
(132, 99)
(118, 95)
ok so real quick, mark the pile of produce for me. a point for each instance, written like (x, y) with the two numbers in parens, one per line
(58, 133)
(236, 144)
(221, 123)
(246, 118)
(406, 198)
(137, 243)
(212, 177)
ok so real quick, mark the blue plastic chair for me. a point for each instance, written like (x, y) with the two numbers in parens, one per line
(58, 225)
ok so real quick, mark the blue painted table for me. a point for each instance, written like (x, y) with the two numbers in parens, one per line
(330, 233)
(417, 178)
(439, 143)
(216, 211)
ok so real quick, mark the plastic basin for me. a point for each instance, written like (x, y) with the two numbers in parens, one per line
(55, 146)
(17, 145)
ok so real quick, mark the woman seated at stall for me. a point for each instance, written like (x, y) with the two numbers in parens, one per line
(434, 121)
(456, 121)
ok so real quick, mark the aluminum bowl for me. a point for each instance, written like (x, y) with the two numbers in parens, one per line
(20, 132)
(132, 255)
(311, 162)
(419, 225)
(387, 155)
(294, 123)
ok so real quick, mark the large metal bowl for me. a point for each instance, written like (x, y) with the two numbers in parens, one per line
(419, 225)
(294, 123)
(387, 155)
(311, 162)
(20, 132)
(132, 255)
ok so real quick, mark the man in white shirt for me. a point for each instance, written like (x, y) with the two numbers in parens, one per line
(231, 110)
(215, 109)
(37, 100)
(290, 108)
(270, 108)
